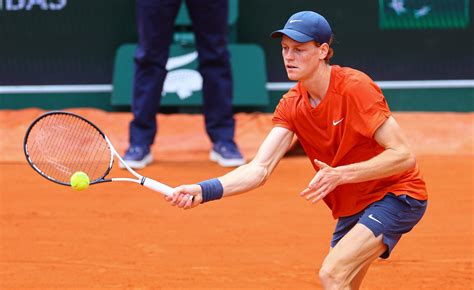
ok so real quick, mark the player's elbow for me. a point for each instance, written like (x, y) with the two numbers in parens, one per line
(260, 173)
(263, 175)
(408, 159)
(411, 161)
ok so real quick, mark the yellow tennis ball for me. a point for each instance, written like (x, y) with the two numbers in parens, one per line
(79, 181)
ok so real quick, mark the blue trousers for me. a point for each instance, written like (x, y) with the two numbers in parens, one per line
(155, 23)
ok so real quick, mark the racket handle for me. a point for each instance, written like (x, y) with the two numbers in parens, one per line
(158, 186)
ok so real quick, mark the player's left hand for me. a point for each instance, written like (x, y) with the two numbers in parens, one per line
(325, 181)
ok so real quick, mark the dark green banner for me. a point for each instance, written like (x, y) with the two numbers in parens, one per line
(424, 14)
(64, 42)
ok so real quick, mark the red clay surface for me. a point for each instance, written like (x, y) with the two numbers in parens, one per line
(123, 236)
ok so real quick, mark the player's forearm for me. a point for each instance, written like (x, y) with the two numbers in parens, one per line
(387, 163)
(255, 173)
(244, 178)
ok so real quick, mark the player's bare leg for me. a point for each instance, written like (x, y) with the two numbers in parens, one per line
(346, 264)
(357, 281)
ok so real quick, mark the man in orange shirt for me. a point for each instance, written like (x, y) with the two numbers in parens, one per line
(366, 172)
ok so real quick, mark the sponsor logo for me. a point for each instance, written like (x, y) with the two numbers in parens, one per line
(183, 82)
(295, 20)
(371, 216)
(20, 5)
(334, 123)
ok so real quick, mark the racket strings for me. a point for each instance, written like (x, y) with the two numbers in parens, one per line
(50, 159)
(93, 154)
(41, 150)
(61, 144)
(88, 159)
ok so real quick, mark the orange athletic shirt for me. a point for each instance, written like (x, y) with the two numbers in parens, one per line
(340, 130)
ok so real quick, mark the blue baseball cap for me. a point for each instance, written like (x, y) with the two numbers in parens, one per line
(306, 26)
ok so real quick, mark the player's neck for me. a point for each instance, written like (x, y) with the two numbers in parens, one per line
(318, 84)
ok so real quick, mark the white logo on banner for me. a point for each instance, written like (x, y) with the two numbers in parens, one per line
(183, 82)
(17, 5)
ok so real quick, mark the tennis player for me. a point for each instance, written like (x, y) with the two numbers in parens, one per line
(365, 170)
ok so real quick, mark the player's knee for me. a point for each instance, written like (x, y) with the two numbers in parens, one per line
(331, 277)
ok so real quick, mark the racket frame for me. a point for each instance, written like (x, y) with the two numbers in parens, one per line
(142, 180)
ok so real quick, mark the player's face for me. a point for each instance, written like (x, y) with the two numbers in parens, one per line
(301, 59)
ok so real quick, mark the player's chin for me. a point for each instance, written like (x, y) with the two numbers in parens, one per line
(292, 76)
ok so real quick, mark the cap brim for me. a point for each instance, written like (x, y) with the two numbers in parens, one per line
(293, 34)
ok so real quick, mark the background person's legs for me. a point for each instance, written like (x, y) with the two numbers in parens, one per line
(155, 22)
(210, 27)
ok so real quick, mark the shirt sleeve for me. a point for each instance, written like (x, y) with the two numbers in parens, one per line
(369, 107)
(281, 116)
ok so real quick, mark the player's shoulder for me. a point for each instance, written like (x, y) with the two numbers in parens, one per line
(352, 80)
(290, 100)
(351, 76)
(293, 93)
(292, 96)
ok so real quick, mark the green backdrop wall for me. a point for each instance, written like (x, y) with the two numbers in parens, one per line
(54, 42)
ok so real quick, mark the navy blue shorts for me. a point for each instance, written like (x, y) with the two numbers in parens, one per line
(391, 216)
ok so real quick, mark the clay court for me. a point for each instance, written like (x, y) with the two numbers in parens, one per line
(123, 236)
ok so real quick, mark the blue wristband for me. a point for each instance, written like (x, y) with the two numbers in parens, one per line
(211, 189)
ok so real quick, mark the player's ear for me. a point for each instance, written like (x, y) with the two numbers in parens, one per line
(323, 50)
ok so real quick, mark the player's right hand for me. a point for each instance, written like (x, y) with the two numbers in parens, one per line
(186, 196)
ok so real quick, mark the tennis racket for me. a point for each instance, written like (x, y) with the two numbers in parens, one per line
(58, 143)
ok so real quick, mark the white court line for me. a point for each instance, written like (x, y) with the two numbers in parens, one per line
(274, 86)
(55, 89)
(431, 84)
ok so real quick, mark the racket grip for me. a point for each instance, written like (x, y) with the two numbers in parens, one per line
(158, 186)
